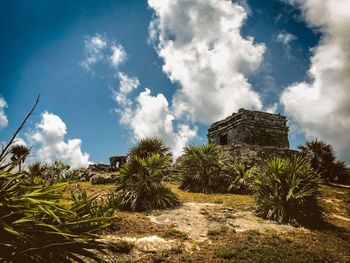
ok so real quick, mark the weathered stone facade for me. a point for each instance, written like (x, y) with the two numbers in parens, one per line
(252, 136)
(250, 127)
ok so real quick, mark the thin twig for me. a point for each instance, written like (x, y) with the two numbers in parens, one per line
(5, 149)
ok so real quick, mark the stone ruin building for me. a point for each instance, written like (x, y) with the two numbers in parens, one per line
(117, 161)
(251, 137)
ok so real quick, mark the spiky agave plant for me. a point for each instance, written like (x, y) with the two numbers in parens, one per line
(287, 191)
(203, 169)
(139, 185)
(38, 224)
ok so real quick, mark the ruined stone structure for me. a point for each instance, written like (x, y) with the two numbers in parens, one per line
(252, 136)
(117, 161)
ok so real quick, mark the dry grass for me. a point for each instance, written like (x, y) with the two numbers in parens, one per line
(328, 244)
(229, 200)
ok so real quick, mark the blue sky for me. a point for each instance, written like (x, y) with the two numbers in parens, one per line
(44, 45)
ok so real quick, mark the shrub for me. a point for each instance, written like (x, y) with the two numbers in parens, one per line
(37, 169)
(37, 224)
(139, 184)
(321, 157)
(148, 146)
(241, 179)
(286, 191)
(340, 172)
(204, 169)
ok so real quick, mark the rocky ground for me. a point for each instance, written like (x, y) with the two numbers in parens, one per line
(224, 228)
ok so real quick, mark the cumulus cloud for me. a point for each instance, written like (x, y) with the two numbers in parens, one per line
(50, 145)
(126, 85)
(204, 52)
(152, 117)
(3, 117)
(321, 106)
(98, 48)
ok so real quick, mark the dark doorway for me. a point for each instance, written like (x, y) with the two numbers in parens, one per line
(223, 139)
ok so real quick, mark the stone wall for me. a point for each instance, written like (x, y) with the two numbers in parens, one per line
(250, 127)
(252, 155)
(251, 137)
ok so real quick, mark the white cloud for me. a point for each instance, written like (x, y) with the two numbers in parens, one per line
(272, 108)
(49, 143)
(94, 50)
(203, 51)
(153, 118)
(3, 117)
(99, 48)
(321, 106)
(285, 38)
(118, 55)
(126, 85)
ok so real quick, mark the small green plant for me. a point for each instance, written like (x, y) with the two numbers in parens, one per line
(217, 231)
(241, 178)
(203, 169)
(225, 252)
(172, 232)
(139, 184)
(287, 191)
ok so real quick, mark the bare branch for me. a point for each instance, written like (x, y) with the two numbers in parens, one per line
(6, 148)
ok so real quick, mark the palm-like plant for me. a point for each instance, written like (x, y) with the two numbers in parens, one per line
(148, 146)
(340, 172)
(241, 178)
(37, 169)
(203, 169)
(139, 185)
(38, 224)
(287, 189)
(320, 155)
(19, 154)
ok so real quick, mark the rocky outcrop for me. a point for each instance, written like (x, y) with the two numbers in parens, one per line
(102, 179)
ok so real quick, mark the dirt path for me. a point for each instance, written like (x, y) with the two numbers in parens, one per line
(195, 220)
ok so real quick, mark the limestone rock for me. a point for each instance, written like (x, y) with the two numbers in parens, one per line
(102, 179)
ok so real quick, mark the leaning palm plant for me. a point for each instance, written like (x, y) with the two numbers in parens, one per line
(204, 169)
(139, 185)
(287, 190)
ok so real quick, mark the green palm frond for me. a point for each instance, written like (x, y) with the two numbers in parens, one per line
(203, 169)
(148, 146)
(287, 189)
(140, 187)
